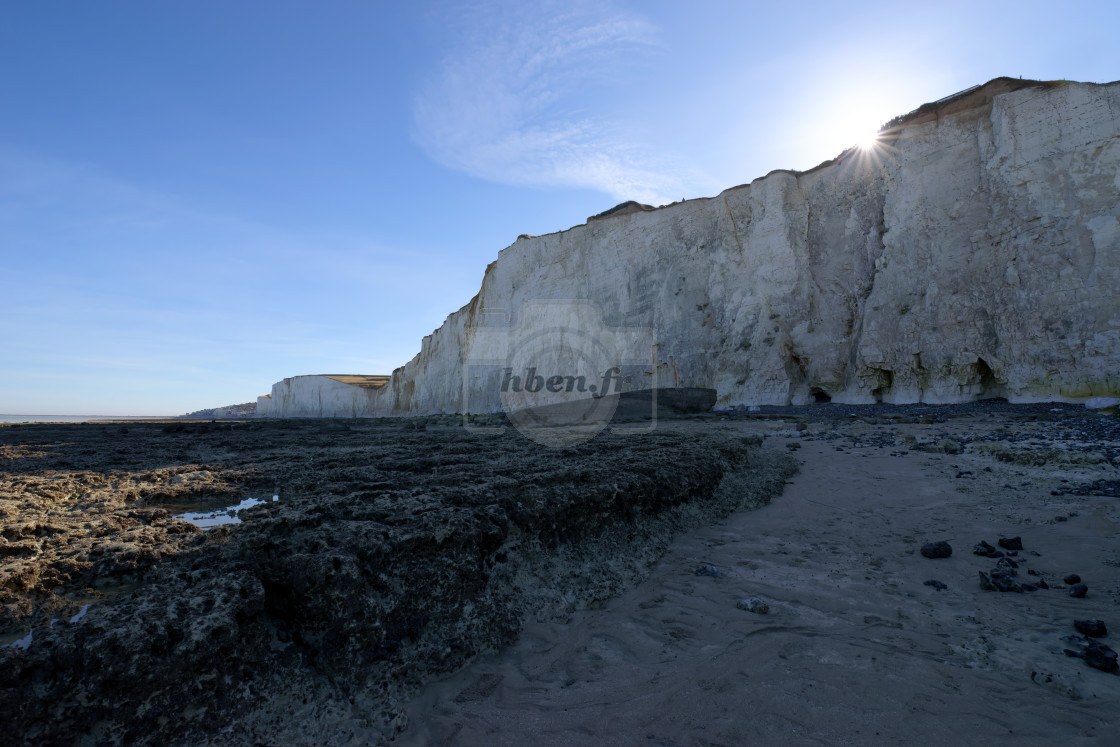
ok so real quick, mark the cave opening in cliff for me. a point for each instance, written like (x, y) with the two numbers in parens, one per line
(990, 386)
(820, 396)
(886, 381)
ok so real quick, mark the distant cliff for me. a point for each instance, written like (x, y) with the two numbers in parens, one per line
(246, 410)
(975, 252)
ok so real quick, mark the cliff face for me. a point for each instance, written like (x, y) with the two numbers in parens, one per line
(974, 253)
(318, 396)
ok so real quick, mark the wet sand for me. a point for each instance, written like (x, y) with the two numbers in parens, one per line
(855, 648)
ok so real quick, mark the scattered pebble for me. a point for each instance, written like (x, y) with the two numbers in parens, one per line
(1011, 543)
(935, 584)
(753, 604)
(1078, 591)
(708, 570)
(986, 550)
(937, 550)
(1100, 656)
(1071, 579)
(1094, 653)
(998, 581)
(1091, 628)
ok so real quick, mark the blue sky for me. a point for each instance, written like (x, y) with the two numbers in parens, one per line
(199, 199)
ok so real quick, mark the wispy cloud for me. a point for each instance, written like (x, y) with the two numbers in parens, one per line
(521, 98)
(121, 290)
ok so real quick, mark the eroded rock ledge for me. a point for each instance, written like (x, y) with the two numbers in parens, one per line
(397, 552)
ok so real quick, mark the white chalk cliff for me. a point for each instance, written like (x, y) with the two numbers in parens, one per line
(321, 396)
(974, 253)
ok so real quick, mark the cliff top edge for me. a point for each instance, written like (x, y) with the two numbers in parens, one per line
(970, 98)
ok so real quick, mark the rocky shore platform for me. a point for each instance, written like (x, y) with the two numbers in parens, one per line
(383, 555)
(827, 574)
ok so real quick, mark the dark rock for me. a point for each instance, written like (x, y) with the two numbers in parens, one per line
(1091, 628)
(1033, 572)
(1042, 584)
(1094, 653)
(1007, 564)
(1011, 543)
(1100, 656)
(1078, 591)
(1071, 579)
(1012, 553)
(998, 582)
(753, 604)
(986, 550)
(708, 570)
(937, 550)
(935, 584)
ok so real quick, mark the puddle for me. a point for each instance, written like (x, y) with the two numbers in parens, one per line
(207, 519)
(26, 640)
(221, 516)
(80, 615)
(23, 642)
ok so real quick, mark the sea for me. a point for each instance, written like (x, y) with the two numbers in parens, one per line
(73, 418)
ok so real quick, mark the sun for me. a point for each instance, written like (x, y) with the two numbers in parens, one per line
(856, 120)
(868, 141)
(848, 123)
(855, 128)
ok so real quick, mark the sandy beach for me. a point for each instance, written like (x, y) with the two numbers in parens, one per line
(855, 649)
(383, 599)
